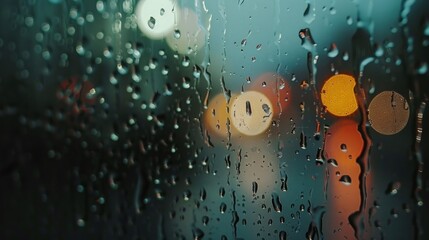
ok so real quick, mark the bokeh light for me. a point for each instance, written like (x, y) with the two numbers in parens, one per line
(216, 118)
(156, 18)
(343, 145)
(343, 141)
(251, 113)
(388, 113)
(187, 36)
(338, 95)
(275, 88)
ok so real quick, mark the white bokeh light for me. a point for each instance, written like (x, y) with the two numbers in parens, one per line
(251, 113)
(188, 36)
(156, 18)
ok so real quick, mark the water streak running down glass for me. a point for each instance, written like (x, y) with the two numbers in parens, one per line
(194, 119)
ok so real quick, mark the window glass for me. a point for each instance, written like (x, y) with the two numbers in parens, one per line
(180, 119)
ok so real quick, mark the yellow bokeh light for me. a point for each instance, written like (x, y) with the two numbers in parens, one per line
(251, 113)
(338, 95)
(216, 118)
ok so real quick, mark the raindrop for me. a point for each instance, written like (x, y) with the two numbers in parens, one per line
(222, 192)
(248, 108)
(349, 20)
(422, 68)
(185, 61)
(203, 194)
(222, 208)
(187, 195)
(80, 222)
(276, 203)
(346, 180)
(379, 51)
(343, 147)
(254, 188)
(177, 34)
(266, 108)
(333, 51)
(205, 220)
(303, 141)
(309, 14)
(197, 234)
(393, 188)
(333, 162)
(151, 22)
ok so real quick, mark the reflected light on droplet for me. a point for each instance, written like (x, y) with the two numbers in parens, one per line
(156, 18)
(215, 117)
(251, 113)
(275, 88)
(187, 36)
(388, 113)
(338, 96)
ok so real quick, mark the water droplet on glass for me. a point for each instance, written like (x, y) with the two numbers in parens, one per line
(254, 188)
(349, 20)
(333, 162)
(222, 192)
(309, 14)
(266, 108)
(222, 208)
(282, 235)
(333, 51)
(346, 180)
(177, 34)
(151, 22)
(343, 147)
(393, 188)
(197, 234)
(248, 108)
(275, 200)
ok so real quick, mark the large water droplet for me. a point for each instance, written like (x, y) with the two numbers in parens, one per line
(275, 200)
(346, 180)
(151, 22)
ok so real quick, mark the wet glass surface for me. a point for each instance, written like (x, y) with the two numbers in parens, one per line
(164, 119)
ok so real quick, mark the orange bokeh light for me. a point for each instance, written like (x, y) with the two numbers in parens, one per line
(216, 117)
(338, 95)
(343, 141)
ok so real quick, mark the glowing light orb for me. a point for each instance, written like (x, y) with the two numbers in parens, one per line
(343, 142)
(388, 112)
(275, 87)
(187, 36)
(216, 117)
(156, 18)
(338, 96)
(251, 113)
